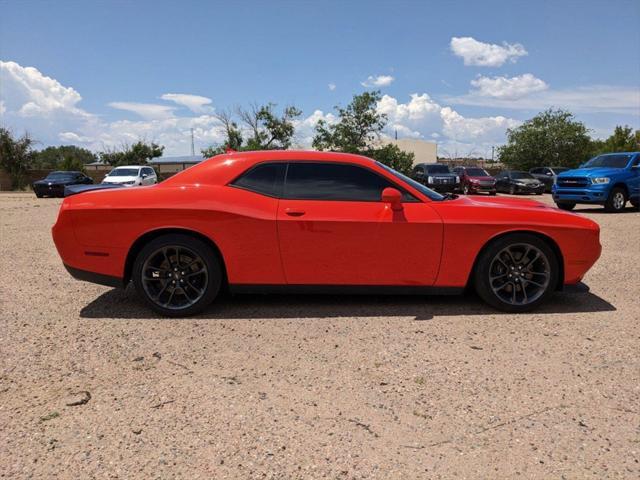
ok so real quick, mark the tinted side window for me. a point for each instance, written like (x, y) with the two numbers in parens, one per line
(332, 181)
(266, 179)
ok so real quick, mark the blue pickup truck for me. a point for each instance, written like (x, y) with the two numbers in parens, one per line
(610, 180)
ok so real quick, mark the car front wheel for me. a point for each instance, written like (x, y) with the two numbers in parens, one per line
(516, 273)
(177, 275)
(616, 200)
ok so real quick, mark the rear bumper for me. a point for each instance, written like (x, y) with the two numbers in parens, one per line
(93, 277)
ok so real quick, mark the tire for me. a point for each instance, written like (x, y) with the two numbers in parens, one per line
(492, 193)
(512, 190)
(39, 195)
(566, 206)
(498, 289)
(177, 258)
(539, 193)
(616, 200)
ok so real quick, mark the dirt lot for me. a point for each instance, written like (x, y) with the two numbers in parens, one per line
(314, 387)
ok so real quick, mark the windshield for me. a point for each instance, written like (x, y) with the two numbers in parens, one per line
(437, 169)
(612, 161)
(521, 176)
(418, 186)
(476, 172)
(60, 175)
(124, 172)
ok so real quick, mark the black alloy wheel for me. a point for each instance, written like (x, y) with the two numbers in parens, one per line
(516, 273)
(177, 275)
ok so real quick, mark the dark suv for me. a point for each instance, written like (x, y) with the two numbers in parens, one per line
(475, 180)
(436, 176)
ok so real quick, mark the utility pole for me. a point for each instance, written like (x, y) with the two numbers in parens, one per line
(492, 147)
(193, 151)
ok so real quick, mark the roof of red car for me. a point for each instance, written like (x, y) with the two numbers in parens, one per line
(223, 168)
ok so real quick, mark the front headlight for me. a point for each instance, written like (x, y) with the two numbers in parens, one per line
(520, 183)
(429, 179)
(130, 182)
(600, 180)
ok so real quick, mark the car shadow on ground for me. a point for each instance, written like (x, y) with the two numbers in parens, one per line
(601, 210)
(125, 304)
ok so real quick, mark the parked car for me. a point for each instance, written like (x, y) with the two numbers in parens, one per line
(437, 177)
(294, 221)
(610, 180)
(547, 175)
(475, 180)
(131, 175)
(515, 181)
(53, 184)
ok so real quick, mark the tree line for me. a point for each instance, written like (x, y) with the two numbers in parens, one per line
(551, 138)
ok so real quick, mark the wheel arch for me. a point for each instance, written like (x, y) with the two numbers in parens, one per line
(622, 185)
(545, 238)
(145, 238)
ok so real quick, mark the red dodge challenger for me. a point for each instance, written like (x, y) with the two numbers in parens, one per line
(299, 221)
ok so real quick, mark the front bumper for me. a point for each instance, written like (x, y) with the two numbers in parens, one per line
(55, 190)
(476, 188)
(591, 194)
(528, 189)
(444, 187)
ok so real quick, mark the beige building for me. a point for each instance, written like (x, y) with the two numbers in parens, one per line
(425, 152)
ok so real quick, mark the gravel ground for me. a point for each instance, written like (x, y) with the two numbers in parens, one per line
(314, 387)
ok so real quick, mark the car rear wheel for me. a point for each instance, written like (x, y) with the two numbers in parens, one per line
(616, 200)
(516, 273)
(566, 206)
(177, 275)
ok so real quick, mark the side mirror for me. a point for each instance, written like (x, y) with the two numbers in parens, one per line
(392, 196)
(549, 174)
(144, 175)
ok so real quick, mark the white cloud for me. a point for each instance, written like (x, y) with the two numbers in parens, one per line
(195, 103)
(417, 108)
(586, 99)
(149, 111)
(332, 86)
(73, 137)
(507, 88)
(378, 81)
(459, 128)
(483, 54)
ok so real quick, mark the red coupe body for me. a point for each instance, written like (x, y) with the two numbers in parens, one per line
(267, 240)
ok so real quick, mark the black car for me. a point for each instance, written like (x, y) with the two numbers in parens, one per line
(514, 181)
(53, 185)
(436, 176)
(547, 175)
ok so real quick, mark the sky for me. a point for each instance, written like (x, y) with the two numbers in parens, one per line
(102, 74)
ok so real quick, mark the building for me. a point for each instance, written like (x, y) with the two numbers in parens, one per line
(424, 152)
(171, 165)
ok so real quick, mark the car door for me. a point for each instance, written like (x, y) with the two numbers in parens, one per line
(501, 181)
(334, 229)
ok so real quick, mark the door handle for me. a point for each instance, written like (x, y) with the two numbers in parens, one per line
(294, 213)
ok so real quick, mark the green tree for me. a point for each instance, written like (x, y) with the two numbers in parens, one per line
(551, 138)
(358, 127)
(269, 131)
(66, 157)
(138, 153)
(233, 136)
(358, 130)
(623, 139)
(393, 157)
(15, 156)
